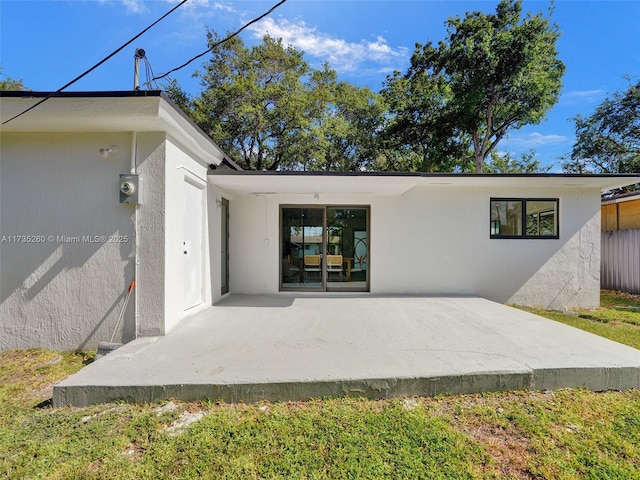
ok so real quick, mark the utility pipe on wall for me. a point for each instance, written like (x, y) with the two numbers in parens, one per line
(134, 147)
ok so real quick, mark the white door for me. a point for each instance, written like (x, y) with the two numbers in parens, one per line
(192, 245)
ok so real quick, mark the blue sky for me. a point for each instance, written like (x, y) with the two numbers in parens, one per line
(47, 43)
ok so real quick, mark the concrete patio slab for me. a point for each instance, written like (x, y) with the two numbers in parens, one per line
(296, 347)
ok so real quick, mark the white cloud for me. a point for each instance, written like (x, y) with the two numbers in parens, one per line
(134, 6)
(582, 96)
(197, 8)
(342, 55)
(584, 93)
(534, 140)
(205, 8)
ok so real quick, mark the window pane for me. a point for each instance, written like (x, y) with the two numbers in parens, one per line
(302, 248)
(347, 248)
(506, 217)
(542, 218)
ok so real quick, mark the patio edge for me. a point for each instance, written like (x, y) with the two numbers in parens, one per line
(596, 379)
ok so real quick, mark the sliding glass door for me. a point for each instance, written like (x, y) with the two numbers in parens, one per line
(324, 248)
(302, 237)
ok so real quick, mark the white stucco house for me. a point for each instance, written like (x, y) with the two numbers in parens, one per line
(98, 189)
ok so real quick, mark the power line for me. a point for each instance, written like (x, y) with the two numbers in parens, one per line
(226, 39)
(97, 64)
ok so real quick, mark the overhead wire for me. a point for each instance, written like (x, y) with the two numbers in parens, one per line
(217, 44)
(148, 70)
(97, 64)
(147, 64)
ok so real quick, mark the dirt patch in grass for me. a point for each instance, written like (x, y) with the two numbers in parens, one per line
(509, 451)
(483, 419)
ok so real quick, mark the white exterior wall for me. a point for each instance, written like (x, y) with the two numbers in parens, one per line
(436, 241)
(67, 291)
(68, 294)
(150, 268)
(181, 168)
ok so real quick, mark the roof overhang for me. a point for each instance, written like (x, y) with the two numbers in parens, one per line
(625, 197)
(131, 111)
(394, 184)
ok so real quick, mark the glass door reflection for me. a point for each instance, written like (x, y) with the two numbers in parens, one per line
(324, 248)
(347, 248)
(302, 248)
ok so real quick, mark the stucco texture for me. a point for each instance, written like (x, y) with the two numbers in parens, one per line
(436, 241)
(65, 287)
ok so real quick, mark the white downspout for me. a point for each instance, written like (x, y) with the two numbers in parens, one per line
(134, 149)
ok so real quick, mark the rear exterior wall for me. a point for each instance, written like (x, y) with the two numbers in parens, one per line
(435, 241)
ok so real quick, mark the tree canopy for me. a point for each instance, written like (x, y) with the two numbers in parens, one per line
(9, 84)
(608, 140)
(507, 163)
(492, 73)
(270, 110)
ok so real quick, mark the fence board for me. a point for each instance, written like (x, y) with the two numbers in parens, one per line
(620, 260)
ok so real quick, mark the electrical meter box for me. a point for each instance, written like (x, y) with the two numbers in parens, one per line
(130, 189)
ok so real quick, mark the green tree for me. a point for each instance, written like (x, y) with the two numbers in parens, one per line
(420, 134)
(270, 110)
(492, 73)
(253, 103)
(608, 140)
(507, 163)
(10, 84)
(181, 98)
(343, 136)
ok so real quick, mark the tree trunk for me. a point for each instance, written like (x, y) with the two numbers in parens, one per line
(479, 162)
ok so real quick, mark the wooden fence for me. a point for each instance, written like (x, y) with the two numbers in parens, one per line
(620, 261)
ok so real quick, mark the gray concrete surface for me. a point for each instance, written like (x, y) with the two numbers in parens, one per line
(296, 347)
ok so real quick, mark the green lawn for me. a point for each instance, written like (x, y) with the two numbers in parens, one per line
(556, 435)
(617, 319)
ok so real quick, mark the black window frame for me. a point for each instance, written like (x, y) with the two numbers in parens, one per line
(523, 209)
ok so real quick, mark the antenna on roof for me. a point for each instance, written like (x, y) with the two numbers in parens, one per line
(140, 53)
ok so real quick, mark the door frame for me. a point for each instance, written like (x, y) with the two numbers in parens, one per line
(193, 183)
(324, 287)
(224, 205)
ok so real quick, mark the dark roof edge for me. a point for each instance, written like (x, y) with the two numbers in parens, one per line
(93, 94)
(423, 174)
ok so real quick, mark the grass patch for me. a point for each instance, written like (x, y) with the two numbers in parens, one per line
(27, 376)
(562, 434)
(613, 299)
(617, 319)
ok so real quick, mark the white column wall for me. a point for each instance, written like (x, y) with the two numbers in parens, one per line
(150, 269)
(436, 241)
